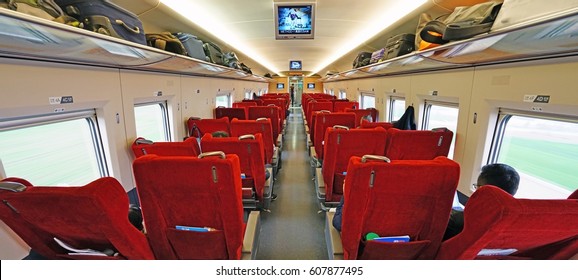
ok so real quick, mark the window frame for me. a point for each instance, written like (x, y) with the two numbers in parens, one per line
(164, 114)
(427, 110)
(391, 102)
(362, 96)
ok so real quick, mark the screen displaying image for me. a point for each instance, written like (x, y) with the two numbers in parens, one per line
(295, 65)
(294, 21)
(280, 85)
(310, 85)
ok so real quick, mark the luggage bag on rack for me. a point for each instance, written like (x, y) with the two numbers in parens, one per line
(214, 53)
(167, 42)
(400, 45)
(105, 17)
(192, 45)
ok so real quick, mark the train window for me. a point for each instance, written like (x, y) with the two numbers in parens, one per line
(542, 149)
(223, 100)
(152, 121)
(342, 94)
(396, 108)
(367, 100)
(54, 150)
(441, 114)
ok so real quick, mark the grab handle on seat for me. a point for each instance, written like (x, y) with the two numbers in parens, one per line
(374, 157)
(211, 154)
(12, 186)
(340, 127)
(246, 136)
(261, 119)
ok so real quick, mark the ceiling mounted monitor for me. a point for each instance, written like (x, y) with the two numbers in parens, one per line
(295, 65)
(294, 21)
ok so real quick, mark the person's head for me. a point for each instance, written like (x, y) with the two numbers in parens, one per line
(367, 118)
(500, 175)
(135, 217)
(220, 134)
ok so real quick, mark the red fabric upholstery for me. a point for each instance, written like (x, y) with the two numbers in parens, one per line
(313, 107)
(418, 144)
(340, 145)
(325, 121)
(359, 113)
(195, 192)
(189, 147)
(311, 123)
(93, 216)
(270, 112)
(231, 113)
(536, 228)
(245, 105)
(258, 101)
(385, 125)
(407, 197)
(251, 157)
(263, 126)
(207, 126)
(342, 106)
(283, 106)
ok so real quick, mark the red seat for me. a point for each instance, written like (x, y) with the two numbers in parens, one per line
(418, 144)
(245, 105)
(403, 197)
(343, 105)
(189, 147)
(197, 126)
(93, 216)
(249, 148)
(325, 121)
(313, 107)
(231, 113)
(359, 113)
(202, 192)
(270, 112)
(534, 228)
(340, 145)
(262, 126)
(385, 125)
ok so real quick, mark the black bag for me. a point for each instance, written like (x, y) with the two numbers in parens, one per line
(192, 45)
(362, 59)
(407, 120)
(214, 53)
(245, 68)
(104, 17)
(462, 23)
(166, 41)
(400, 45)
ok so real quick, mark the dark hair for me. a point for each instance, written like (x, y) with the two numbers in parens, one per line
(367, 118)
(220, 133)
(135, 216)
(500, 175)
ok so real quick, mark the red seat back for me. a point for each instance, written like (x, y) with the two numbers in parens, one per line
(343, 105)
(197, 127)
(231, 113)
(262, 126)
(313, 107)
(191, 192)
(340, 145)
(418, 144)
(403, 197)
(270, 112)
(189, 147)
(245, 105)
(93, 216)
(249, 148)
(360, 113)
(325, 121)
(535, 228)
(385, 125)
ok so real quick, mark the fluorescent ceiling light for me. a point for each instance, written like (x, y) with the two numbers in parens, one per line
(389, 16)
(199, 15)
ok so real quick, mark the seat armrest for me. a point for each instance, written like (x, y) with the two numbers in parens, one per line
(332, 238)
(279, 140)
(251, 238)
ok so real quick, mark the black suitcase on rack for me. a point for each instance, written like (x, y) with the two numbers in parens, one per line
(400, 45)
(105, 17)
(193, 45)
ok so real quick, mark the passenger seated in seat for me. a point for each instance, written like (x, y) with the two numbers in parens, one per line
(366, 118)
(220, 134)
(500, 175)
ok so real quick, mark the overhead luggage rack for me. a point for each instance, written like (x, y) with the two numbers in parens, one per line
(28, 37)
(548, 37)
